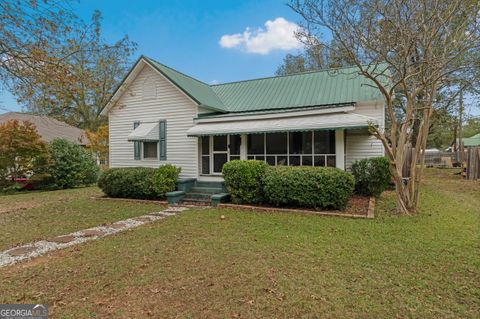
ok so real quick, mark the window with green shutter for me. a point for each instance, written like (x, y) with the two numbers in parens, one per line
(136, 145)
(163, 140)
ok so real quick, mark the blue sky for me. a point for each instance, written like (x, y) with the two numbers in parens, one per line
(213, 41)
(186, 35)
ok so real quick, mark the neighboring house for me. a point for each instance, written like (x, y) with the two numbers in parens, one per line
(48, 128)
(472, 141)
(159, 115)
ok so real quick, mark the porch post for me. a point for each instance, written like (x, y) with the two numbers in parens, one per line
(340, 148)
(243, 147)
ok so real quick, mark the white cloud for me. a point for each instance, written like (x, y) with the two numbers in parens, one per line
(278, 34)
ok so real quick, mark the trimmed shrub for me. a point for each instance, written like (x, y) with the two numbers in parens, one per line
(372, 176)
(312, 187)
(165, 179)
(128, 182)
(71, 165)
(244, 180)
(139, 182)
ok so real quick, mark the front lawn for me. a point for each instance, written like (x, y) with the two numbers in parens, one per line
(273, 265)
(30, 216)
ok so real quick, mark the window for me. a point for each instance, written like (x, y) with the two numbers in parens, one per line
(150, 150)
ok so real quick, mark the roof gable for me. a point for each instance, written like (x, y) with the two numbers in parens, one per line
(199, 91)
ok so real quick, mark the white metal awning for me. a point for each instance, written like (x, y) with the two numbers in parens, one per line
(298, 123)
(145, 132)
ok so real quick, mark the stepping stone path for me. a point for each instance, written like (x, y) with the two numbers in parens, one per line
(32, 250)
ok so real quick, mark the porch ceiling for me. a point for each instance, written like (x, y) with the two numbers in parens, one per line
(299, 123)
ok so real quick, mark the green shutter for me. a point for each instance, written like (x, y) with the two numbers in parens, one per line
(163, 140)
(136, 145)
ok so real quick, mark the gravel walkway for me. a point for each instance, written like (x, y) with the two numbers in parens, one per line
(35, 249)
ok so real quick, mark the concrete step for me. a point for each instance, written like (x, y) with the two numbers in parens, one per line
(198, 195)
(219, 185)
(186, 200)
(208, 190)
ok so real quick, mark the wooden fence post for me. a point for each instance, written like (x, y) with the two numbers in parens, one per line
(473, 163)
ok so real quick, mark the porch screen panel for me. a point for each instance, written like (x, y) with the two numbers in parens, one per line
(234, 147)
(308, 148)
(324, 148)
(276, 148)
(256, 144)
(220, 152)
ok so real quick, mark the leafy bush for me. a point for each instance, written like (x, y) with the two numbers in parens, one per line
(313, 187)
(165, 179)
(244, 180)
(372, 176)
(71, 165)
(42, 181)
(139, 182)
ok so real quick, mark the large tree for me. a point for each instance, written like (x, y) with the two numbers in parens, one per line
(65, 69)
(410, 50)
(314, 56)
(33, 36)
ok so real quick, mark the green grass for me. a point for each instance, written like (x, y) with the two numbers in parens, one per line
(273, 265)
(30, 216)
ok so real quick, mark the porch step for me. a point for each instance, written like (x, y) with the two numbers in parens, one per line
(206, 190)
(196, 195)
(219, 185)
(196, 200)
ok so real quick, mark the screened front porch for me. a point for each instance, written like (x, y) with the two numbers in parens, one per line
(307, 148)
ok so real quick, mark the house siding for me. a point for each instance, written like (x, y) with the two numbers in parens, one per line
(151, 98)
(360, 143)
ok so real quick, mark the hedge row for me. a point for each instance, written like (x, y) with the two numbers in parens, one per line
(312, 187)
(139, 182)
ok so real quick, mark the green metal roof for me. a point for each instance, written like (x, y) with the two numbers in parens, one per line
(326, 87)
(472, 141)
(329, 88)
(197, 90)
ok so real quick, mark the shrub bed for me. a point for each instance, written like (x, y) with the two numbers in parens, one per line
(244, 180)
(312, 187)
(139, 182)
(372, 176)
